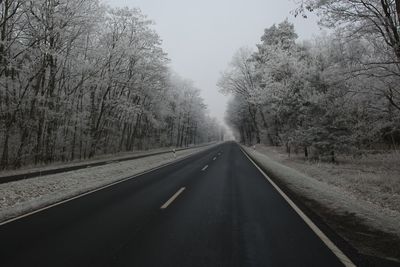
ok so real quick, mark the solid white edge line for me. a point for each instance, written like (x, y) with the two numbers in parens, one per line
(338, 253)
(204, 168)
(169, 201)
(99, 188)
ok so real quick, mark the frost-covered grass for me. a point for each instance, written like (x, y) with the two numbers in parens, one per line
(98, 158)
(372, 177)
(344, 189)
(23, 196)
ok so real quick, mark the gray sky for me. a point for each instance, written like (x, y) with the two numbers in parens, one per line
(201, 36)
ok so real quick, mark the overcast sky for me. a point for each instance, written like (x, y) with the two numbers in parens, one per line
(201, 36)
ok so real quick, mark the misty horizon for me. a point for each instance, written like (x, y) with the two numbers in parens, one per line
(200, 37)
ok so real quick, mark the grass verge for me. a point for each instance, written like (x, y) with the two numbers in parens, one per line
(372, 230)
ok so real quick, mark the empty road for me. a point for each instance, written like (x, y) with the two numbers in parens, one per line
(214, 208)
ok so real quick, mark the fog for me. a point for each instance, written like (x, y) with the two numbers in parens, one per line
(200, 37)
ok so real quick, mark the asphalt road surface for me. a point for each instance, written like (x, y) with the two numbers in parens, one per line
(212, 209)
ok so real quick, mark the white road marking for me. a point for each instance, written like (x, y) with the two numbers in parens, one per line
(339, 254)
(204, 168)
(169, 201)
(214, 158)
(97, 189)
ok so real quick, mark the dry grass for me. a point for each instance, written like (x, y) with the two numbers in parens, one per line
(372, 177)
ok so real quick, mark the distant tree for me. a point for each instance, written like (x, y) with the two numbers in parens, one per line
(240, 79)
(303, 92)
(78, 79)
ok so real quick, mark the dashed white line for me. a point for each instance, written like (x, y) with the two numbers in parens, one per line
(204, 168)
(93, 191)
(169, 201)
(214, 158)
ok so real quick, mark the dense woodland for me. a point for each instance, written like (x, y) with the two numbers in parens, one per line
(78, 79)
(339, 93)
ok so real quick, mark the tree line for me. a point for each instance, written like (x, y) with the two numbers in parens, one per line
(79, 79)
(337, 93)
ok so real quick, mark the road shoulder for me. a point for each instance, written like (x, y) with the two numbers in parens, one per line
(339, 215)
(26, 196)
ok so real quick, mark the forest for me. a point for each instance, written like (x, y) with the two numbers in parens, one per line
(338, 93)
(79, 79)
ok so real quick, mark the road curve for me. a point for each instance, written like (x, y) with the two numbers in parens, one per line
(212, 209)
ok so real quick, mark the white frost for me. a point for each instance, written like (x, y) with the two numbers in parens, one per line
(338, 200)
(20, 197)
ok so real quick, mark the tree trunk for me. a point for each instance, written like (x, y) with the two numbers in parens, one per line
(288, 148)
(4, 156)
(18, 160)
(255, 124)
(121, 142)
(270, 140)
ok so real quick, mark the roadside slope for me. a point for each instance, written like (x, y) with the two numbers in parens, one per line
(32, 172)
(368, 227)
(21, 197)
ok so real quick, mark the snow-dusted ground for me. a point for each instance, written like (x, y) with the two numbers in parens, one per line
(337, 199)
(96, 159)
(20, 197)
